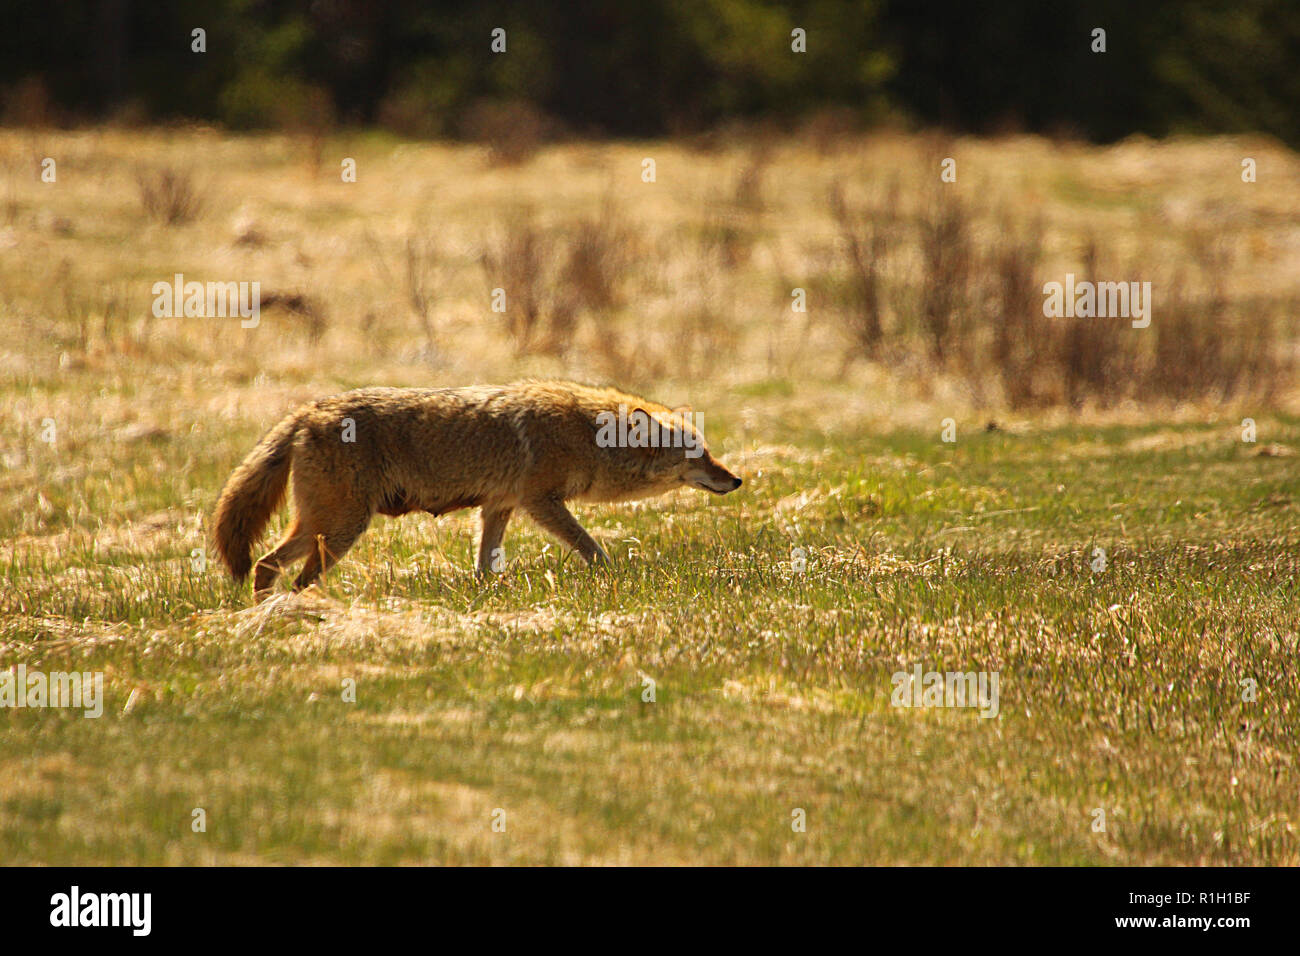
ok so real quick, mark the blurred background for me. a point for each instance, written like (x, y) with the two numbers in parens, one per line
(661, 67)
(381, 169)
(797, 238)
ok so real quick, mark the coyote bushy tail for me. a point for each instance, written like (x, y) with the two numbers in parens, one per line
(251, 496)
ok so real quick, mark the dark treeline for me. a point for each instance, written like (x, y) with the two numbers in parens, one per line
(654, 67)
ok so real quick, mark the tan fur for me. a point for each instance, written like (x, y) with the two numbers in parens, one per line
(530, 446)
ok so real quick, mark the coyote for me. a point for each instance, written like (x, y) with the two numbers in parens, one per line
(533, 445)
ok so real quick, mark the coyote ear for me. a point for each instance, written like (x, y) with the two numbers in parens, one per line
(640, 417)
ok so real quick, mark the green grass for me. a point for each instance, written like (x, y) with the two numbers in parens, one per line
(1120, 689)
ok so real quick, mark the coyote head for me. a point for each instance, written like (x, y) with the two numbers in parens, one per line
(668, 449)
(707, 474)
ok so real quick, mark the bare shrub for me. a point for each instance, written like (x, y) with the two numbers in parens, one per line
(947, 256)
(28, 104)
(302, 307)
(517, 262)
(1095, 362)
(1205, 346)
(82, 303)
(865, 241)
(976, 309)
(169, 195)
(421, 263)
(1020, 340)
(513, 130)
(420, 273)
(552, 277)
(311, 120)
(724, 238)
(408, 113)
(706, 330)
(598, 249)
(597, 252)
(734, 212)
(11, 204)
(831, 129)
(1189, 346)
(747, 191)
(77, 307)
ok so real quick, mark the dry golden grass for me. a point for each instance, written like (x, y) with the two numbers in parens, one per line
(663, 296)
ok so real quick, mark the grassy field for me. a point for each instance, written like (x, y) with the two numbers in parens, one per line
(770, 622)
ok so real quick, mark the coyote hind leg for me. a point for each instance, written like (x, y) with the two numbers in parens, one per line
(325, 549)
(294, 546)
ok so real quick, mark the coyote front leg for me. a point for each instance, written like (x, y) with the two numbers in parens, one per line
(494, 530)
(551, 514)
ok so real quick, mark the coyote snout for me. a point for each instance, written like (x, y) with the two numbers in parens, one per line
(532, 446)
(710, 476)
